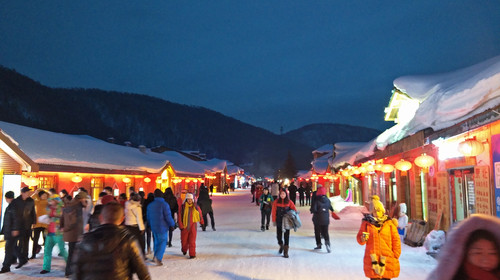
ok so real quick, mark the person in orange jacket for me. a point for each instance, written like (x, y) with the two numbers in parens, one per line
(188, 217)
(280, 207)
(383, 245)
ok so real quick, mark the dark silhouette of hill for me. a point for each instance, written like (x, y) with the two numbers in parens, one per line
(145, 120)
(317, 135)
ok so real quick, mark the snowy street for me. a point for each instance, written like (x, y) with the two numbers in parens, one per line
(239, 250)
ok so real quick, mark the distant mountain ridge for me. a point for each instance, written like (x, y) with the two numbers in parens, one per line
(151, 121)
(145, 120)
(317, 135)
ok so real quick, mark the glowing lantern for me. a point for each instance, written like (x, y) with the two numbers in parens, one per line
(387, 168)
(356, 171)
(76, 179)
(403, 166)
(362, 169)
(378, 167)
(424, 161)
(470, 147)
(147, 180)
(32, 181)
(126, 180)
(370, 168)
(345, 173)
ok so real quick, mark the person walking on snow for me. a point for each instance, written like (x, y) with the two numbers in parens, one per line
(280, 207)
(189, 216)
(160, 219)
(54, 235)
(321, 218)
(171, 200)
(383, 246)
(205, 204)
(9, 233)
(266, 205)
(275, 190)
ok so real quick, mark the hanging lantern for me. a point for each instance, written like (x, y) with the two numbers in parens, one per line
(345, 173)
(387, 168)
(147, 179)
(370, 168)
(32, 181)
(403, 166)
(470, 147)
(126, 180)
(362, 169)
(356, 171)
(424, 161)
(76, 179)
(378, 167)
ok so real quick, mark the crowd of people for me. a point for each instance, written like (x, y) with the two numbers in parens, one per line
(112, 239)
(108, 240)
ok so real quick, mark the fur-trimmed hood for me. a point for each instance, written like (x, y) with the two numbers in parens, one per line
(452, 254)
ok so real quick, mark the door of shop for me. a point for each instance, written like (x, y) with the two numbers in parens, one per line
(462, 193)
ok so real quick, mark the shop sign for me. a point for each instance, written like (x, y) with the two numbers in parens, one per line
(482, 189)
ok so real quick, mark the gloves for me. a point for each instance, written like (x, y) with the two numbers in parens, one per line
(335, 216)
(375, 265)
(382, 265)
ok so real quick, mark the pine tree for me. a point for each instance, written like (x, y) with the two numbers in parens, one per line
(289, 170)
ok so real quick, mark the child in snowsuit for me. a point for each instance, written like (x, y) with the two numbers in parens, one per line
(471, 251)
(402, 221)
(266, 205)
(383, 246)
(189, 215)
(54, 236)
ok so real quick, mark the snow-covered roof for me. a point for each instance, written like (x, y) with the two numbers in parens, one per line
(234, 169)
(304, 174)
(45, 147)
(349, 152)
(328, 148)
(446, 99)
(320, 165)
(183, 166)
(215, 164)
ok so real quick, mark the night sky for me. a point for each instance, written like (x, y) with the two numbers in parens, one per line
(271, 64)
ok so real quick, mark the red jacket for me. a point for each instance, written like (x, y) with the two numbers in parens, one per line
(180, 216)
(276, 204)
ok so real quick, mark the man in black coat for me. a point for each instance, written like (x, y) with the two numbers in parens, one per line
(7, 231)
(320, 208)
(292, 189)
(25, 218)
(109, 252)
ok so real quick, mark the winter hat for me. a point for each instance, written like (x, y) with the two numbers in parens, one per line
(189, 195)
(82, 195)
(107, 199)
(402, 208)
(320, 191)
(376, 204)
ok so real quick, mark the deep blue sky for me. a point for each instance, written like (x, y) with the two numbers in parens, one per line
(267, 63)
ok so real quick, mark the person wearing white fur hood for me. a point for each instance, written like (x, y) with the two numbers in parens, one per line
(472, 251)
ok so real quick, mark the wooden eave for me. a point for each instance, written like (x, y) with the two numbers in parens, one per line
(22, 156)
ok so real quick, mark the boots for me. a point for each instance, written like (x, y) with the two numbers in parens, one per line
(285, 252)
(267, 227)
(262, 228)
(281, 249)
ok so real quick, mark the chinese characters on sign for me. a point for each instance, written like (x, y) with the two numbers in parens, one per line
(482, 189)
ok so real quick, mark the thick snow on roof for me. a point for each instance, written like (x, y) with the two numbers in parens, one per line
(234, 169)
(349, 152)
(447, 99)
(183, 165)
(215, 164)
(320, 165)
(328, 148)
(45, 147)
(304, 174)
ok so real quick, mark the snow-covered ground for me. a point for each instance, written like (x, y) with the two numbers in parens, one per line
(239, 250)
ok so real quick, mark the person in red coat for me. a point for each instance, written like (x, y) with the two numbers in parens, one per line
(280, 207)
(189, 215)
(259, 190)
